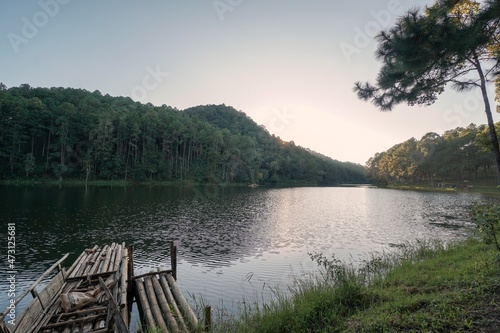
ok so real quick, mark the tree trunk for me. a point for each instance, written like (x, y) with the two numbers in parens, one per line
(491, 124)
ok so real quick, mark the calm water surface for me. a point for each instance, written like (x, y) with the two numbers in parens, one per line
(232, 242)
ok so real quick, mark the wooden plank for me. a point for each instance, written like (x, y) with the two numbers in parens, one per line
(52, 289)
(84, 311)
(153, 302)
(74, 321)
(33, 286)
(47, 315)
(184, 305)
(171, 301)
(168, 271)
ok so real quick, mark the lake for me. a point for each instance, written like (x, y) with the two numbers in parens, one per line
(233, 242)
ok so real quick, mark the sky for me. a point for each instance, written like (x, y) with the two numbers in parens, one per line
(289, 65)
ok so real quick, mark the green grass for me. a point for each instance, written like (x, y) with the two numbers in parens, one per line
(421, 287)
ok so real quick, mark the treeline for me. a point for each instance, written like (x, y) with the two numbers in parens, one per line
(72, 133)
(459, 154)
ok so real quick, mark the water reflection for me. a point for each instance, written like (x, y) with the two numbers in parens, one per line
(230, 239)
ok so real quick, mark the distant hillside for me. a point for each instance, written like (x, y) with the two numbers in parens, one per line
(460, 154)
(72, 133)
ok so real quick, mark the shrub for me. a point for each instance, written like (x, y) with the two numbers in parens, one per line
(487, 219)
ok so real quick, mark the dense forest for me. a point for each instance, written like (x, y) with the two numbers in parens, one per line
(460, 154)
(61, 133)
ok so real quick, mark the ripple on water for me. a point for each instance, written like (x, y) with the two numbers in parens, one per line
(235, 242)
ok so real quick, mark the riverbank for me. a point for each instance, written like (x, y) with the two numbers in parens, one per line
(123, 183)
(424, 287)
(487, 187)
(109, 183)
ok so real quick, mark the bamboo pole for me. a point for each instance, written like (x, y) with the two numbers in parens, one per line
(107, 259)
(123, 289)
(96, 267)
(111, 266)
(188, 312)
(91, 261)
(84, 262)
(172, 302)
(76, 263)
(118, 259)
(116, 313)
(163, 303)
(146, 310)
(155, 309)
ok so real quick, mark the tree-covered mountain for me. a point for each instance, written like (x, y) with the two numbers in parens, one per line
(73, 133)
(459, 154)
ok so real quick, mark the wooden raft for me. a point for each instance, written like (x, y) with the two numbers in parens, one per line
(162, 304)
(99, 274)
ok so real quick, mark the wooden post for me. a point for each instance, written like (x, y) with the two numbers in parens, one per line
(208, 318)
(130, 267)
(173, 259)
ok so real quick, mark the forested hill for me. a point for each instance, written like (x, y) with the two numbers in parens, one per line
(62, 133)
(460, 154)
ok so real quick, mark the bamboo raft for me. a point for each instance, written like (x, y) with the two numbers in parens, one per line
(95, 295)
(91, 296)
(161, 301)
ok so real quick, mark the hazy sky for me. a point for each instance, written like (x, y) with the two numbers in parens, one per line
(290, 65)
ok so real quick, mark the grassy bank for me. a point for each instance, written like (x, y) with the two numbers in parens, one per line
(422, 287)
(483, 186)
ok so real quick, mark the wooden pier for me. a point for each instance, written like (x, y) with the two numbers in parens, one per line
(96, 293)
